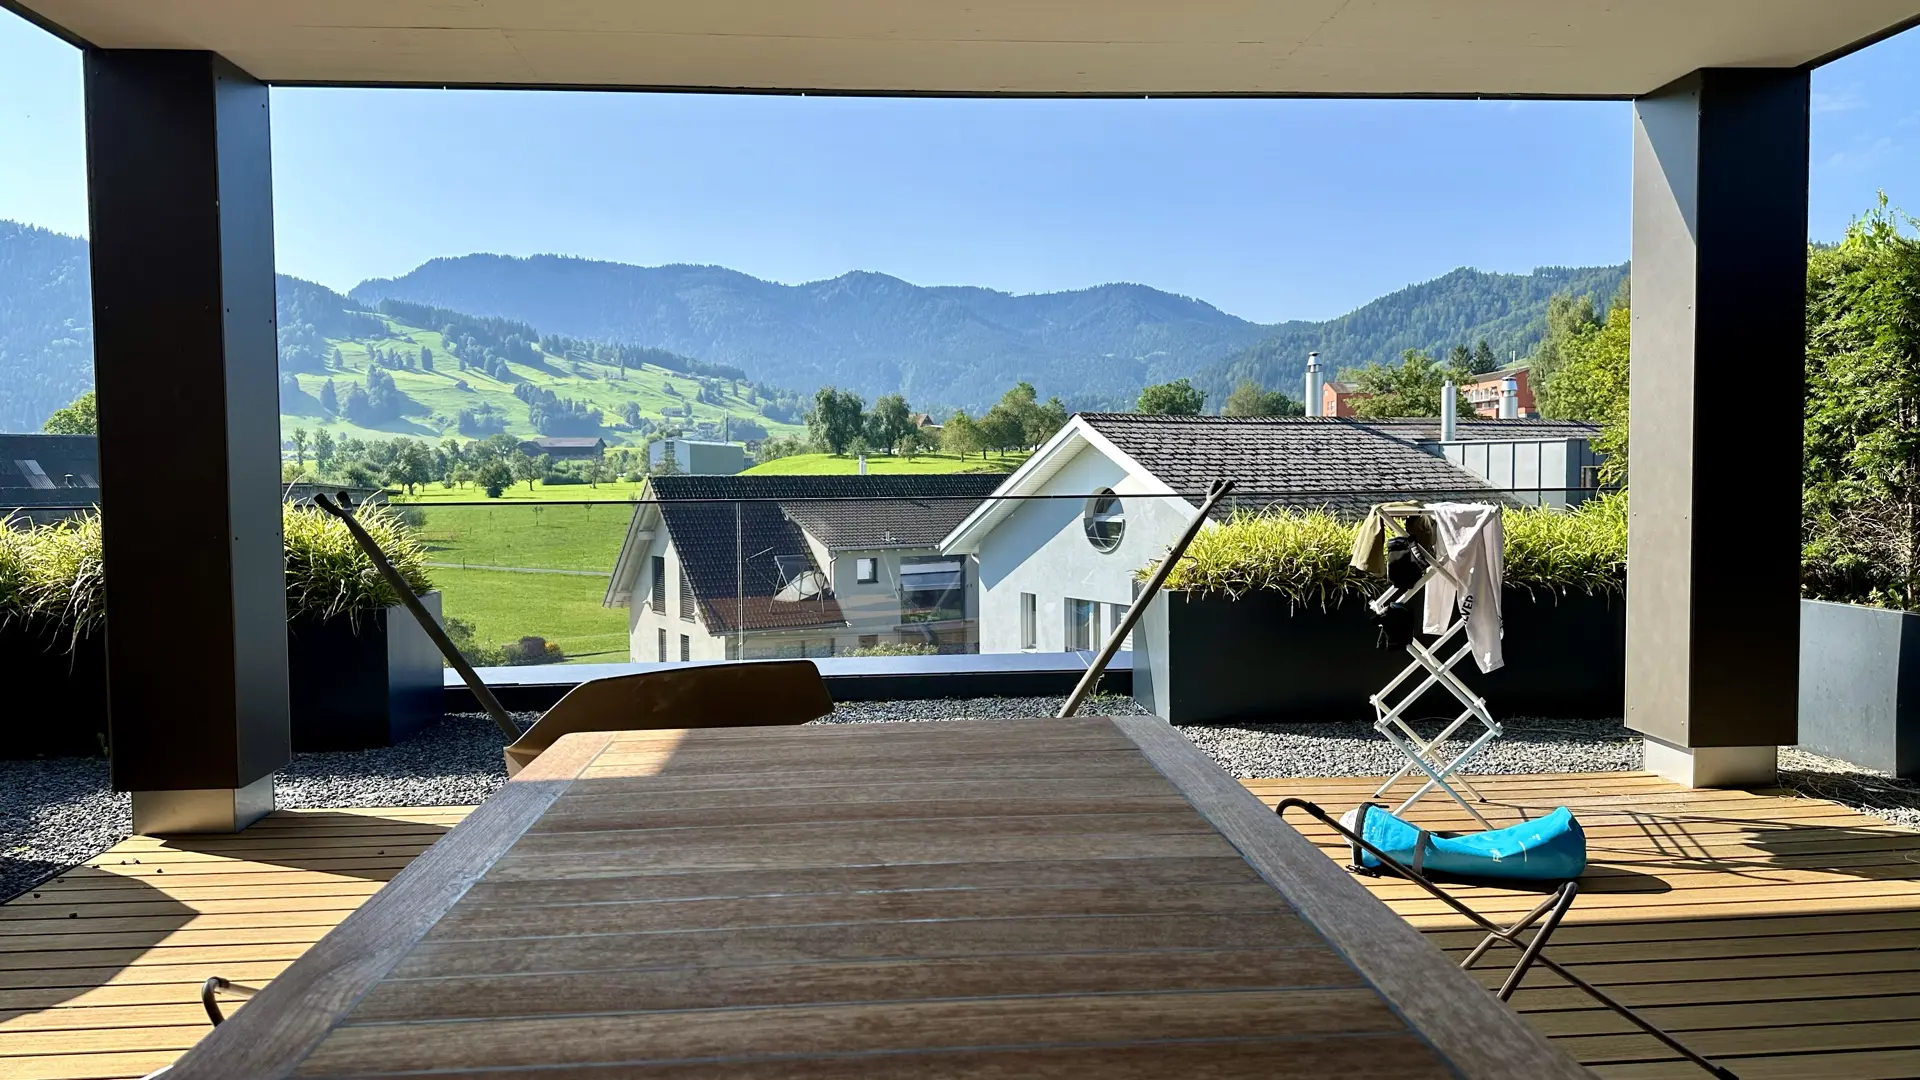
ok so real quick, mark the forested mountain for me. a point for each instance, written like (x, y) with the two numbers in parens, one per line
(1460, 308)
(868, 332)
(46, 324)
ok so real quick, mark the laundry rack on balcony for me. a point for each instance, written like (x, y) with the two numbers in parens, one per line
(1413, 565)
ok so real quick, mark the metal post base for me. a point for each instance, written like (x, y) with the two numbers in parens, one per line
(1713, 766)
(202, 810)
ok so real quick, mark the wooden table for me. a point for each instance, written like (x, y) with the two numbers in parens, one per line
(1003, 899)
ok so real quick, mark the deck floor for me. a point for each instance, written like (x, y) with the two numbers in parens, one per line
(1780, 934)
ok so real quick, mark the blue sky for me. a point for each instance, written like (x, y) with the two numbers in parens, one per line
(1270, 210)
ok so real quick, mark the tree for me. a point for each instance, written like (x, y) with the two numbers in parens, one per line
(889, 421)
(527, 467)
(1177, 398)
(1250, 399)
(1862, 459)
(329, 399)
(299, 441)
(82, 417)
(494, 475)
(963, 436)
(1461, 358)
(322, 450)
(835, 420)
(908, 445)
(1591, 384)
(1409, 388)
(1483, 359)
(1567, 318)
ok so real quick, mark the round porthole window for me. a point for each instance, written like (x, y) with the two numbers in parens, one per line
(1105, 520)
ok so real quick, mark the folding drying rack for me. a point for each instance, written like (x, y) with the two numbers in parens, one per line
(1424, 755)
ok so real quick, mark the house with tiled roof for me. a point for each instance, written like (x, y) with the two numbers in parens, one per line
(1058, 545)
(758, 567)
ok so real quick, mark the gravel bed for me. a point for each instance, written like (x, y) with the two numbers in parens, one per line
(58, 813)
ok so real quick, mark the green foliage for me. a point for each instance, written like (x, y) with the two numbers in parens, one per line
(1861, 516)
(1409, 388)
(62, 584)
(1307, 555)
(836, 419)
(1483, 359)
(80, 418)
(1018, 420)
(893, 648)
(1589, 382)
(327, 573)
(1177, 398)
(1251, 399)
(888, 422)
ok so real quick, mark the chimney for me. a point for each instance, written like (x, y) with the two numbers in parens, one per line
(1315, 382)
(1449, 411)
(1509, 398)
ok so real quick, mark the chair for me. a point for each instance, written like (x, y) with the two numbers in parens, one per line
(760, 693)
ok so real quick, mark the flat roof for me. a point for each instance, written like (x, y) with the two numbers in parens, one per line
(1450, 48)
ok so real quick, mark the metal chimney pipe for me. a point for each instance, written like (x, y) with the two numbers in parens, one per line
(1509, 398)
(1316, 383)
(1449, 411)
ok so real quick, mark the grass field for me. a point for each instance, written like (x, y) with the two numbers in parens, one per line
(842, 465)
(561, 608)
(526, 535)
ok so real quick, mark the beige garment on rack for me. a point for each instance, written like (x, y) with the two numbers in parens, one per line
(1370, 542)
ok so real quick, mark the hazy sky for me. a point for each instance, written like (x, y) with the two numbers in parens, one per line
(1270, 210)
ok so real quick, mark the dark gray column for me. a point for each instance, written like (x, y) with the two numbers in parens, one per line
(181, 200)
(1719, 325)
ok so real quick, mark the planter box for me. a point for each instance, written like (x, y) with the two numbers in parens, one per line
(1860, 685)
(356, 691)
(56, 699)
(1211, 659)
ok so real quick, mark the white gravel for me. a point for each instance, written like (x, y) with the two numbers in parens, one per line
(57, 813)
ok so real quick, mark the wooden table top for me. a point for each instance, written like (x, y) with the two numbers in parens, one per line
(1005, 899)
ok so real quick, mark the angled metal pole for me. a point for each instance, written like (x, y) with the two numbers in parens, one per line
(1217, 491)
(344, 511)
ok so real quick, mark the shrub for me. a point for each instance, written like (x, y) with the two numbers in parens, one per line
(64, 586)
(327, 573)
(892, 648)
(1306, 555)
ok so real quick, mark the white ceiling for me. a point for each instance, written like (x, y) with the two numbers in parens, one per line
(1444, 47)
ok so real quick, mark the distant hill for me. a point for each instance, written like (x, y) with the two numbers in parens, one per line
(477, 376)
(46, 324)
(874, 334)
(1460, 308)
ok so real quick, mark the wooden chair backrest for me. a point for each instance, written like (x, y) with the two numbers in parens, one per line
(756, 694)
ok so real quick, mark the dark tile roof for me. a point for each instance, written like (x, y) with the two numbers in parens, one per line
(1333, 462)
(859, 512)
(48, 470)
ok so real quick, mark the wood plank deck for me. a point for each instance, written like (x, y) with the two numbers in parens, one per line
(1778, 934)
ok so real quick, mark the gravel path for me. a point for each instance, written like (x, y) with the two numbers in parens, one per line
(57, 813)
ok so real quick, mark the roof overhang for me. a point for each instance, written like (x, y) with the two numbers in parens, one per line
(1443, 48)
(633, 549)
(1033, 476)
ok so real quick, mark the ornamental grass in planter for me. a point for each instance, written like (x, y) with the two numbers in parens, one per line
(350, 663)
(1265, 618)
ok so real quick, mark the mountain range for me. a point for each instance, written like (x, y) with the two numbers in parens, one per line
(941, 346)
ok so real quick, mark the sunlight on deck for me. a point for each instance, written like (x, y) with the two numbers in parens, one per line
(1779, 934)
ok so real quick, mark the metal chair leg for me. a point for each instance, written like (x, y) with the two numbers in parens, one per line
(1532, 951)
(216, 985)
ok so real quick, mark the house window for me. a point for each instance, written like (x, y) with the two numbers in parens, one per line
(686, 594)
(933, 589)
(1029, 621)
(662, 653)
(866, 571)
(1117, 614)
(660, 586)
(1083, 624)
(686, 647)
(1104, 520)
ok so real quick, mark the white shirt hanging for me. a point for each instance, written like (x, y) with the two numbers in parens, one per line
(1471, 542)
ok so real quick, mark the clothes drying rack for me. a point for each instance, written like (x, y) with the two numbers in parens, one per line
(1390, 715)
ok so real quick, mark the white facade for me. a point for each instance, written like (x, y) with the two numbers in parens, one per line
(1040, 549)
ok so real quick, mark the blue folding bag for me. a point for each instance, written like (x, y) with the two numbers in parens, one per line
(1550, 849)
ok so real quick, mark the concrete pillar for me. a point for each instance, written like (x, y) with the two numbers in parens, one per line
(1719, 313)
(181, 201)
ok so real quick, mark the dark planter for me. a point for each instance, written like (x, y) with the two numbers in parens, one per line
(1860, 685)
(358, 688)
(55, 697)
(1208, 659)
